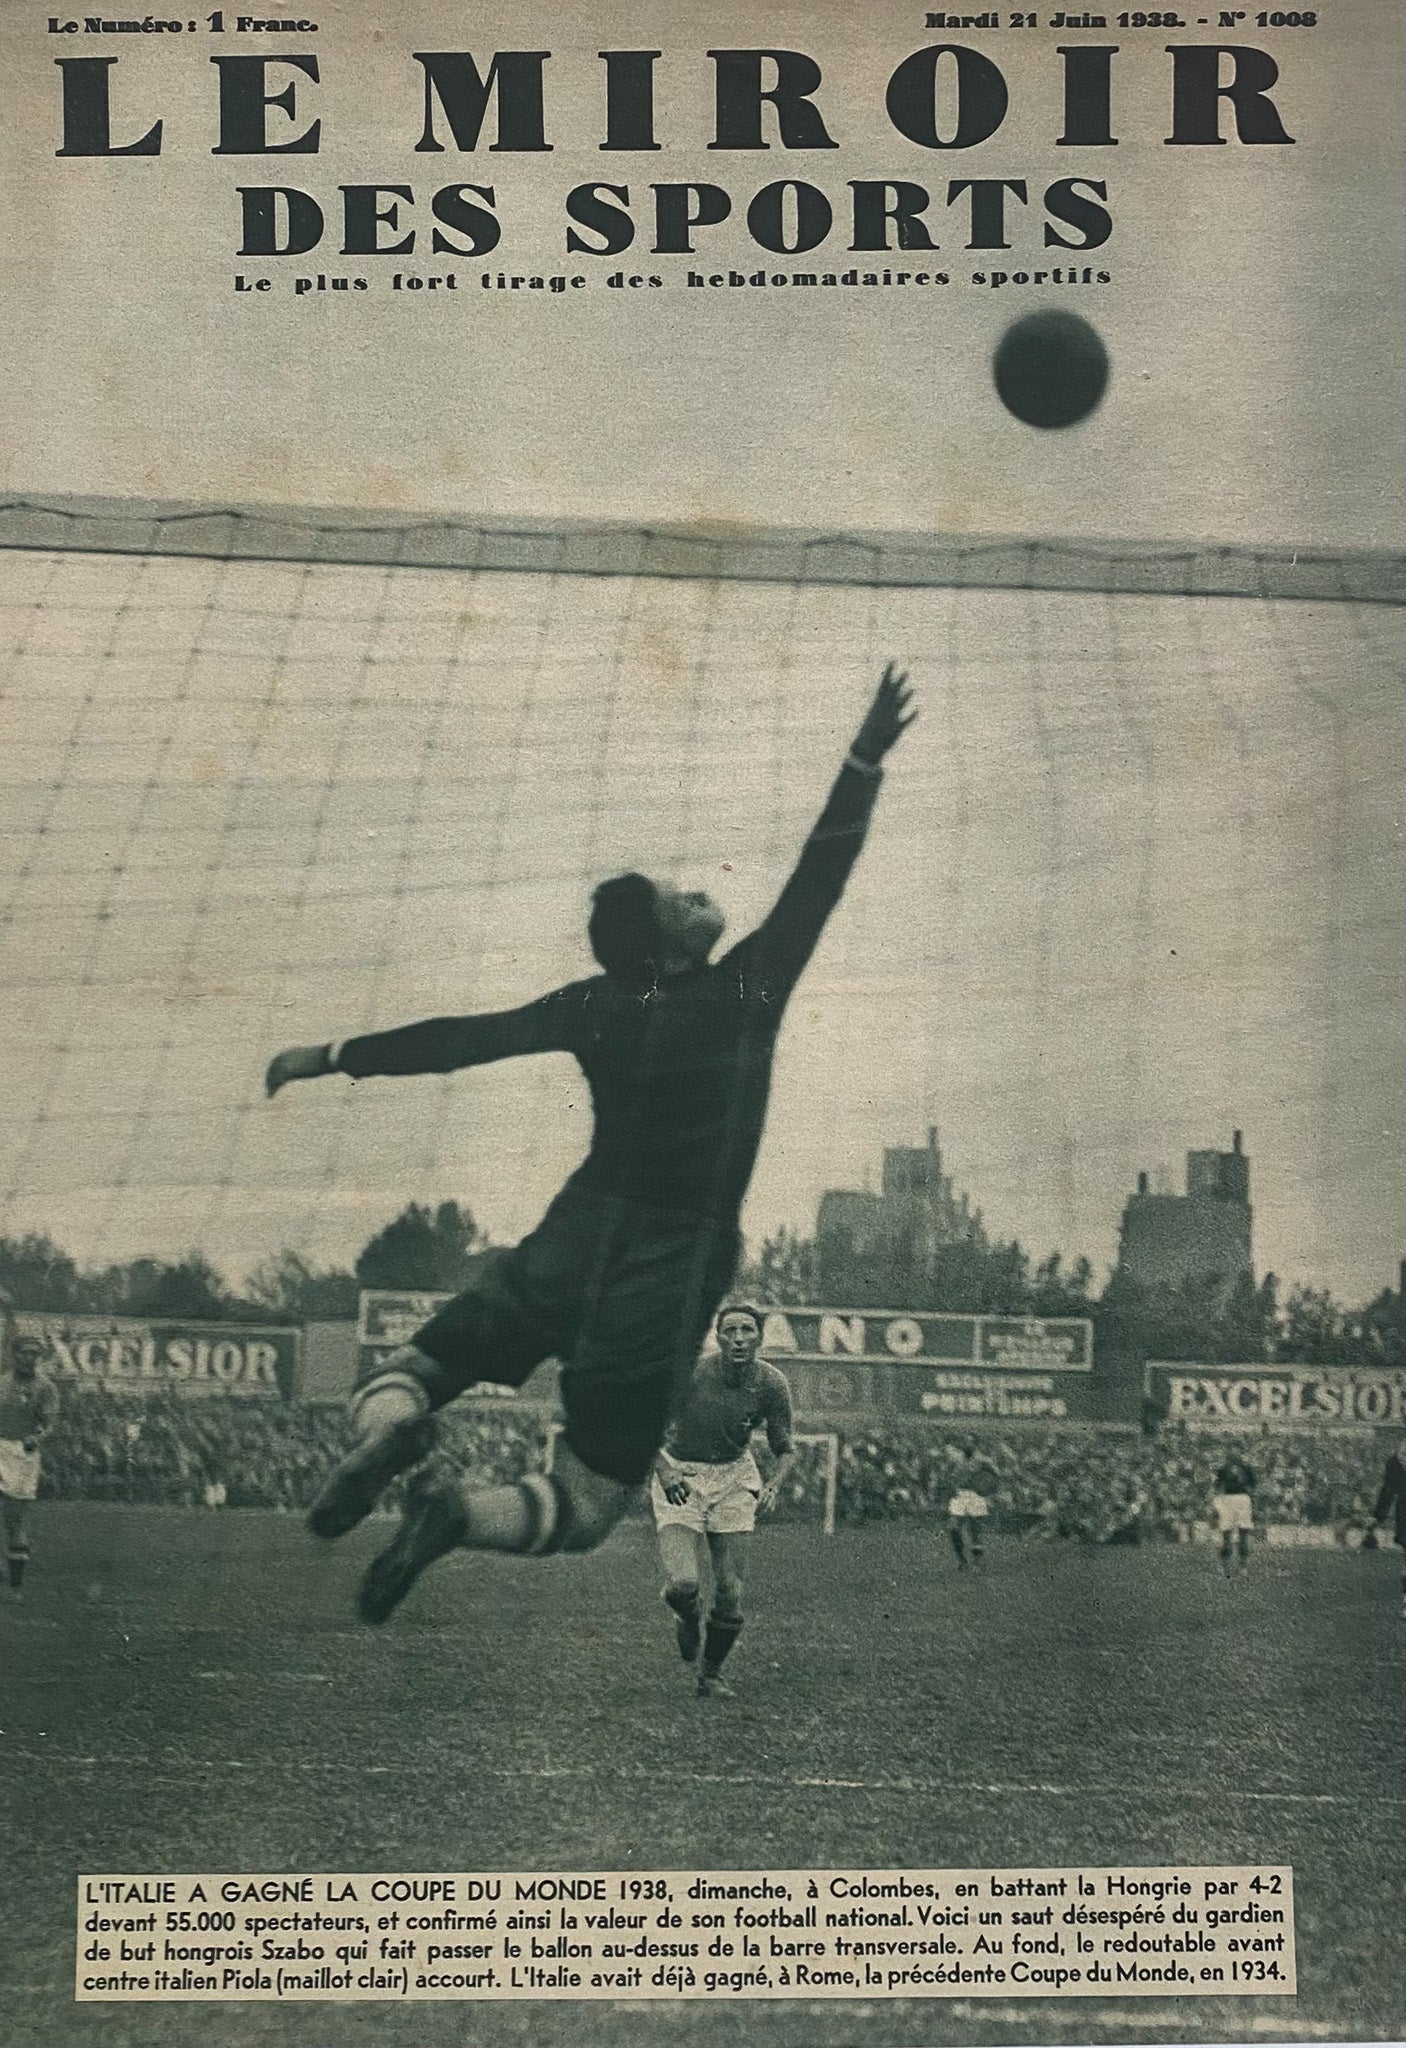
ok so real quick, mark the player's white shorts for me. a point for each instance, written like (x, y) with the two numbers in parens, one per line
(967, 1506)
(19, 1470)
(1233, 1511)
(722, 1499)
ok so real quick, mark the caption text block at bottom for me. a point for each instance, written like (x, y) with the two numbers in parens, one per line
(724, 1935)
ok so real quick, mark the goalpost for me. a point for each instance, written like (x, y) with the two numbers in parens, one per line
(828, 1446)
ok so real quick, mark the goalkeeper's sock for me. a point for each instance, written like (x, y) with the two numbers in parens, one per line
(386, 1401)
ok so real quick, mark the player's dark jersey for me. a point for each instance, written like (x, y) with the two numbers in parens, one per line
(722, 1409)
(973, 1472)
(1233, 1475)
(679, 1070)
(1391, 1500)
(27, 1408)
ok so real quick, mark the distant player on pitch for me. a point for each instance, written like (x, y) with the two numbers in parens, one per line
(1233, 1505)
(28, 1409)
(968, 1509)
(707, 1490)
(1391, 1505)
(623, 1276)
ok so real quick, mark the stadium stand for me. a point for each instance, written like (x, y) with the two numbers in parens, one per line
(1090, 1485)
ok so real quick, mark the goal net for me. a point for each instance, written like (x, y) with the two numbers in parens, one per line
(278, 778)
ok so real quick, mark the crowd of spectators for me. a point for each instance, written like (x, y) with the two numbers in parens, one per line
(172, 1451)
(1094, 1485)
(1107, 1485)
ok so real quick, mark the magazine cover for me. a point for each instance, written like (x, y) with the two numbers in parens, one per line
(700, 1208)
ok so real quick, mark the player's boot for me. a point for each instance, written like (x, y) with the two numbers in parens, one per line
(360, 1480)
(434, 1523)
(722, 1632)
(688, 1622)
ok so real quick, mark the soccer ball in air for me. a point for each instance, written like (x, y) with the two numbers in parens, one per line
(1051, 368)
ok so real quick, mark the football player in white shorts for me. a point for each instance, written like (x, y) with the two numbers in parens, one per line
(968, 1508)
(28, 1406)
(1233, 1506)
(706, 1488)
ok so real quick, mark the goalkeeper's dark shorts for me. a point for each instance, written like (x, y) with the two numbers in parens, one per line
(621, 1293)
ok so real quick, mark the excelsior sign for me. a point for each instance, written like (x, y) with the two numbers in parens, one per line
(1279, 1396)
(126, 1354)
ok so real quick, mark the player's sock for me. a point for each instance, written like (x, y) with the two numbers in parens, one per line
(532, 1519)
(718, 1638)
(390, 1398)
(688, 1614)
(16, 1561)
(978, 1553)
(955, 1538)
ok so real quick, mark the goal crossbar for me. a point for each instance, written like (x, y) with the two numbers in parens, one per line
(776, 555)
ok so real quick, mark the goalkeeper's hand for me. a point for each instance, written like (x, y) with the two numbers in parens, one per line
(887, 719)
(297, 1063)
(676, 1492)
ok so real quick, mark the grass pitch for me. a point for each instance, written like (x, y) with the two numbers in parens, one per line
(187, 1691)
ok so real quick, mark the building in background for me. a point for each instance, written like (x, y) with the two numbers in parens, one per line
(895, 1237)
(1203, 1234)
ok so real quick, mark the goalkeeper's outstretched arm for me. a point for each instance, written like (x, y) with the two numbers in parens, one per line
(784, 942)
(440, 1045)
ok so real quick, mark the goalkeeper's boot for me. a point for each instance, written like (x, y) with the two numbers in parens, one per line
(713, 1687)
(687, 1611)
(360, 1480)
(433, 1523)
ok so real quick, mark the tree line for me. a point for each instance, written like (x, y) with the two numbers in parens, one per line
(435, 1249)
(1205, 1317)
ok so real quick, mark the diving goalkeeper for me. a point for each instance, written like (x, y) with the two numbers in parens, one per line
(624, 1274)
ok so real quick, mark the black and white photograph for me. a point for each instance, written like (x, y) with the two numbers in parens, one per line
(702, 1243)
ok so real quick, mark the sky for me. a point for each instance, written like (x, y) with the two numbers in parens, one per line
(1136, 881)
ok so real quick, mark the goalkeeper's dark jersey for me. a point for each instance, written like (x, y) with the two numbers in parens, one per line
(679, 1070)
